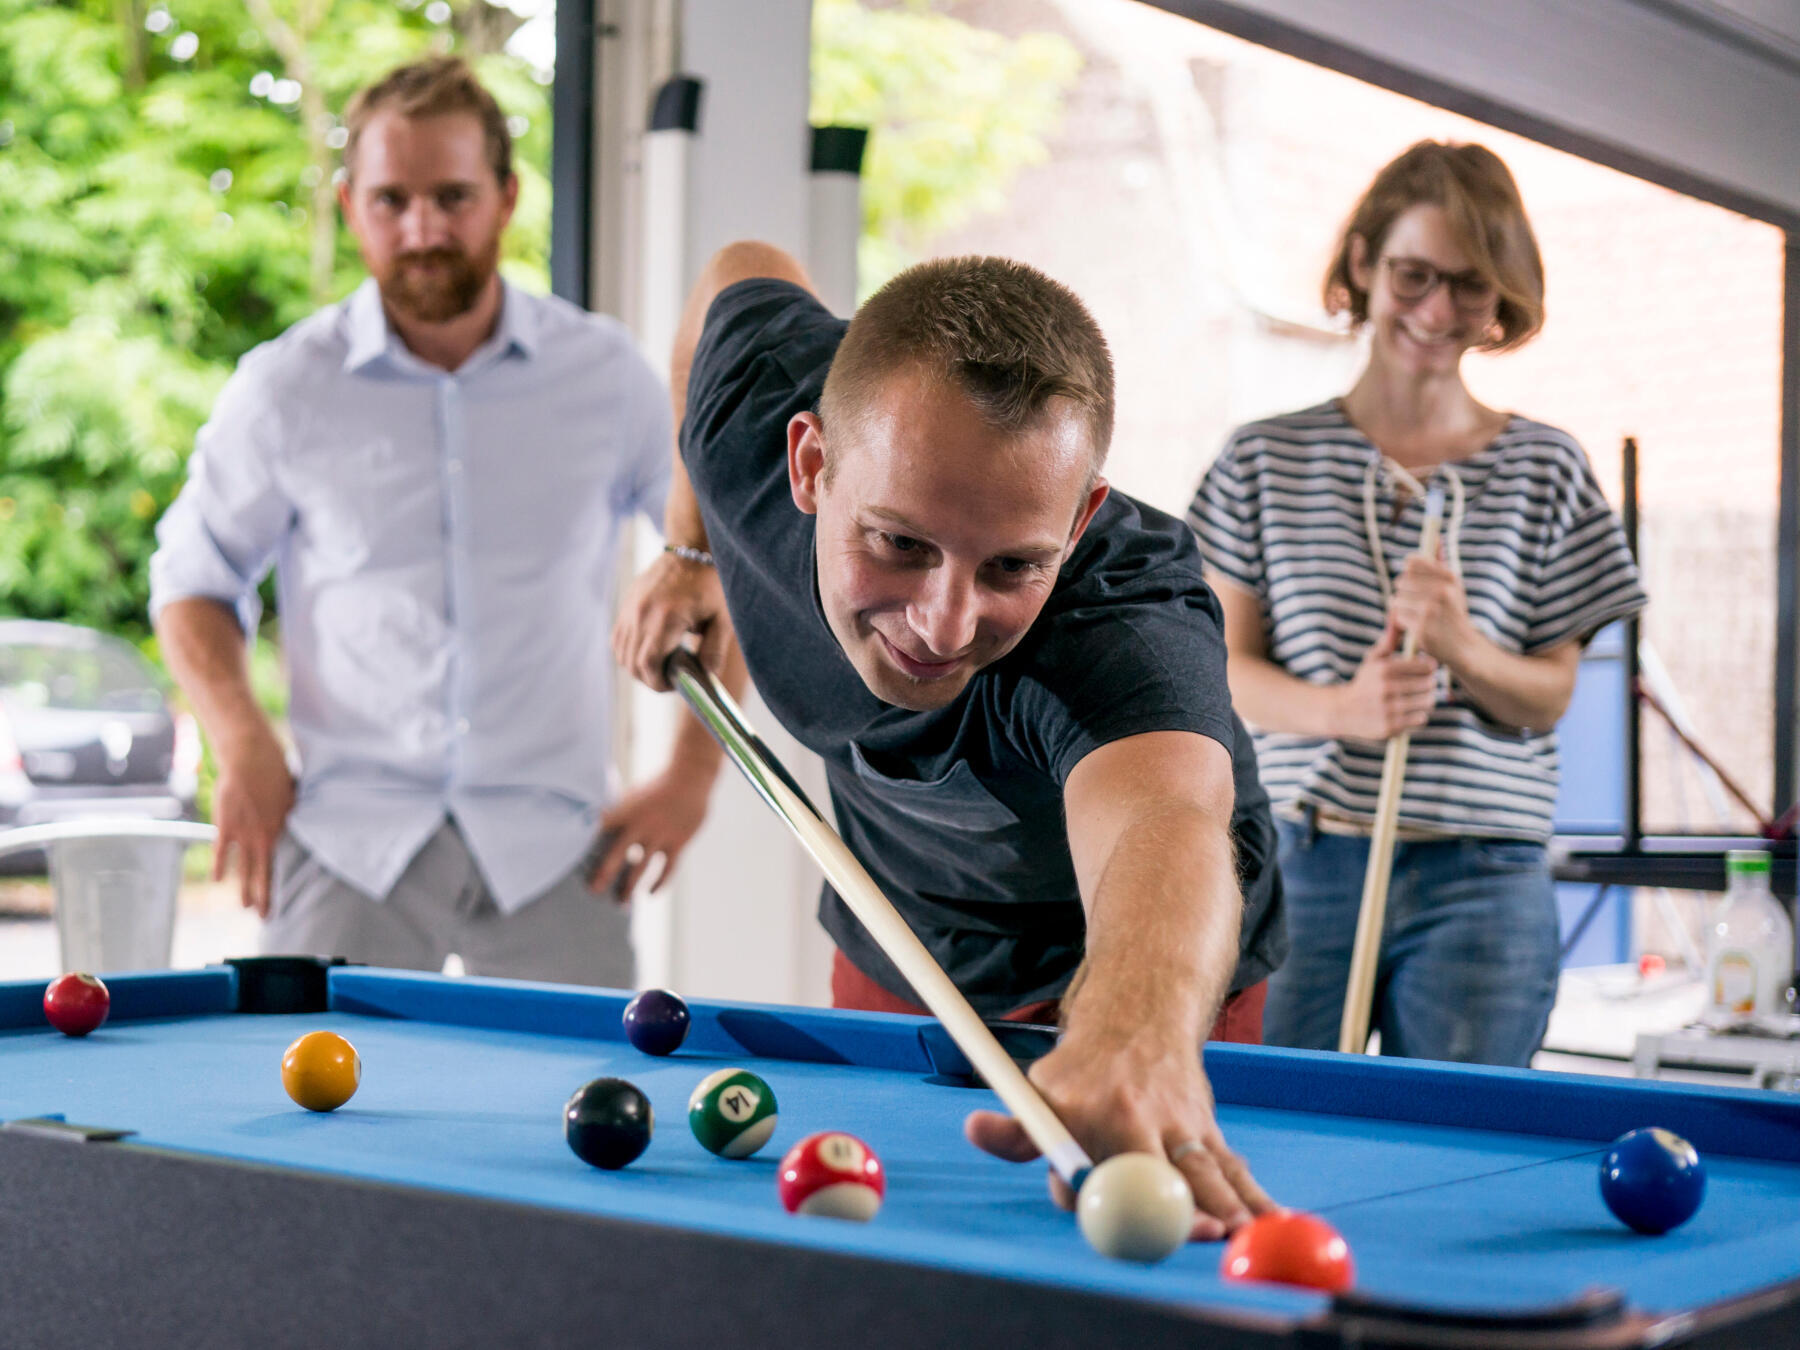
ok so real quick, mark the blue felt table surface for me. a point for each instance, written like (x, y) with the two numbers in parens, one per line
(1434, 1215)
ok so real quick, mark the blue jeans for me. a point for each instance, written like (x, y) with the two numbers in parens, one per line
(1469, 950)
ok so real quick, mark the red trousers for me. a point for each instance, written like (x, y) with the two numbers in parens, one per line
(1239, 1020)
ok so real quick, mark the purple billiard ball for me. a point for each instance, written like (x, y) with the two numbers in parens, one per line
(656, 1022)
(1652, 1180)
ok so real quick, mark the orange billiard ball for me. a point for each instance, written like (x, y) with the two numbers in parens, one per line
(321, 1071)
(1289, 1247)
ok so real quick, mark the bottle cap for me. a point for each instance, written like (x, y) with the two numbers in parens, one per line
(1742, 862)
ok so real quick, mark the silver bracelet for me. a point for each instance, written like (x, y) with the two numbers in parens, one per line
(693, 555)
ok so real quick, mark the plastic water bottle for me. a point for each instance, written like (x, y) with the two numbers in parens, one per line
(1750, 945)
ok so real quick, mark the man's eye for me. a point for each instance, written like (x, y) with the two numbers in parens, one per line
(902, 543)
(451, 198)
(391, 200)
(1014, 566)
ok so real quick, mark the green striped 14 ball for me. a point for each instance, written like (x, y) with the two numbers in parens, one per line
(732, 1113)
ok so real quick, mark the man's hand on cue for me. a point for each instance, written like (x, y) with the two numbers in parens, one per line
(1128, 1094)
(670, 599)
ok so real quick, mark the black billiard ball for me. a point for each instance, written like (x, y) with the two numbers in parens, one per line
(656, 1022)
(608, 1122)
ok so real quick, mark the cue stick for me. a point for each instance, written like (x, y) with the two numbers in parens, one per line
(1359, 992)
(725, 720)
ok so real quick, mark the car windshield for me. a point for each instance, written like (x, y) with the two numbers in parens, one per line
(101, 678)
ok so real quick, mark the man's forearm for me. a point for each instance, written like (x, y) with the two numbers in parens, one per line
(1162, 929)
(743, 261)
(206, 652)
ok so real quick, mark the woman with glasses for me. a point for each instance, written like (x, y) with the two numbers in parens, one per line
(1311, 524)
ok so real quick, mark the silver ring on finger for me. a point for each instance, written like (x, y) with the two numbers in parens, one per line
(1185, 1147)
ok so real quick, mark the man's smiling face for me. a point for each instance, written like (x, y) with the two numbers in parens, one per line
(939, 536)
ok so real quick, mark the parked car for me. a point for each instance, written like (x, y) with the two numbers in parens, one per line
(86, 729)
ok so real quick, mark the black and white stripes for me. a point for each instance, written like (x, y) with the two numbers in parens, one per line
(1281, 513)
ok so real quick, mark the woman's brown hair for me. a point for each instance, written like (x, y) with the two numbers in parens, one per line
(1487, 217)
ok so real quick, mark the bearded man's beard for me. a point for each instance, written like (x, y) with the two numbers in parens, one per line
(435, 285)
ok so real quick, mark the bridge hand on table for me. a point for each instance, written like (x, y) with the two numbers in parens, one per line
(1119, 1096)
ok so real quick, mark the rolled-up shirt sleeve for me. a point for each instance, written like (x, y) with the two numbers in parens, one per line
(220, 536)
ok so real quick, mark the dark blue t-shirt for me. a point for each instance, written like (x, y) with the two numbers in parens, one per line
(957, 813)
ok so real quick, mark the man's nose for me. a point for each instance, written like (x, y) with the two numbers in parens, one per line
(946, 612)
(422, 225)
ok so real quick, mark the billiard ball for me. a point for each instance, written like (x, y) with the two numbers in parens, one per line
(656, 1022)
(1289, 1247)
(608, 1123)
(1135, 1207)
(75, 1004)
(321, 1071)
(832, 1174)
(732, 1113)
(1652, 1180)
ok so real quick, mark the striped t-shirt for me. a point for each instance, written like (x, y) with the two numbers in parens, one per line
(1282, 513)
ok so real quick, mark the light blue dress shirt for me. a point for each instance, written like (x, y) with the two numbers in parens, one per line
(444, 546)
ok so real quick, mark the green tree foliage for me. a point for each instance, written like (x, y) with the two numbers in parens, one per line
(166, 204)
(954, 113)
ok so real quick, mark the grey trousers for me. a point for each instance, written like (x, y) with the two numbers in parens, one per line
(441, 906)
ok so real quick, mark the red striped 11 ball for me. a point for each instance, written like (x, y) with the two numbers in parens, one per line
(832, 1174)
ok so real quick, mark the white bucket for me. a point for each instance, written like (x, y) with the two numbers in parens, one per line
(115, 902)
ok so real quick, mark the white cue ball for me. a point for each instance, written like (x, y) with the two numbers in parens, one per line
(1135, 1207)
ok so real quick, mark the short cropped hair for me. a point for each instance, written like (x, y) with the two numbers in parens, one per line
(1487, 217)
(436, 87)
(1011, 339)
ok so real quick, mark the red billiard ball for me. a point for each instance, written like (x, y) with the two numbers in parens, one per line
(833, 1174)
(1288, 1247)
(75, 1004)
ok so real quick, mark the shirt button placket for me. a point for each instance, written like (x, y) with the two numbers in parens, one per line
(456, 571)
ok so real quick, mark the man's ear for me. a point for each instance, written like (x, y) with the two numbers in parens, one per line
(1096, 495)
(509, 199)
(806, 460)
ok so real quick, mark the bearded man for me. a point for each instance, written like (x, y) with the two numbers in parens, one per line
(437, 468)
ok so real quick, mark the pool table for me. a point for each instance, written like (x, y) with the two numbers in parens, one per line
(157, 1187)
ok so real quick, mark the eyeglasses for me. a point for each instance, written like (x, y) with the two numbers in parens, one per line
(1413, 279)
